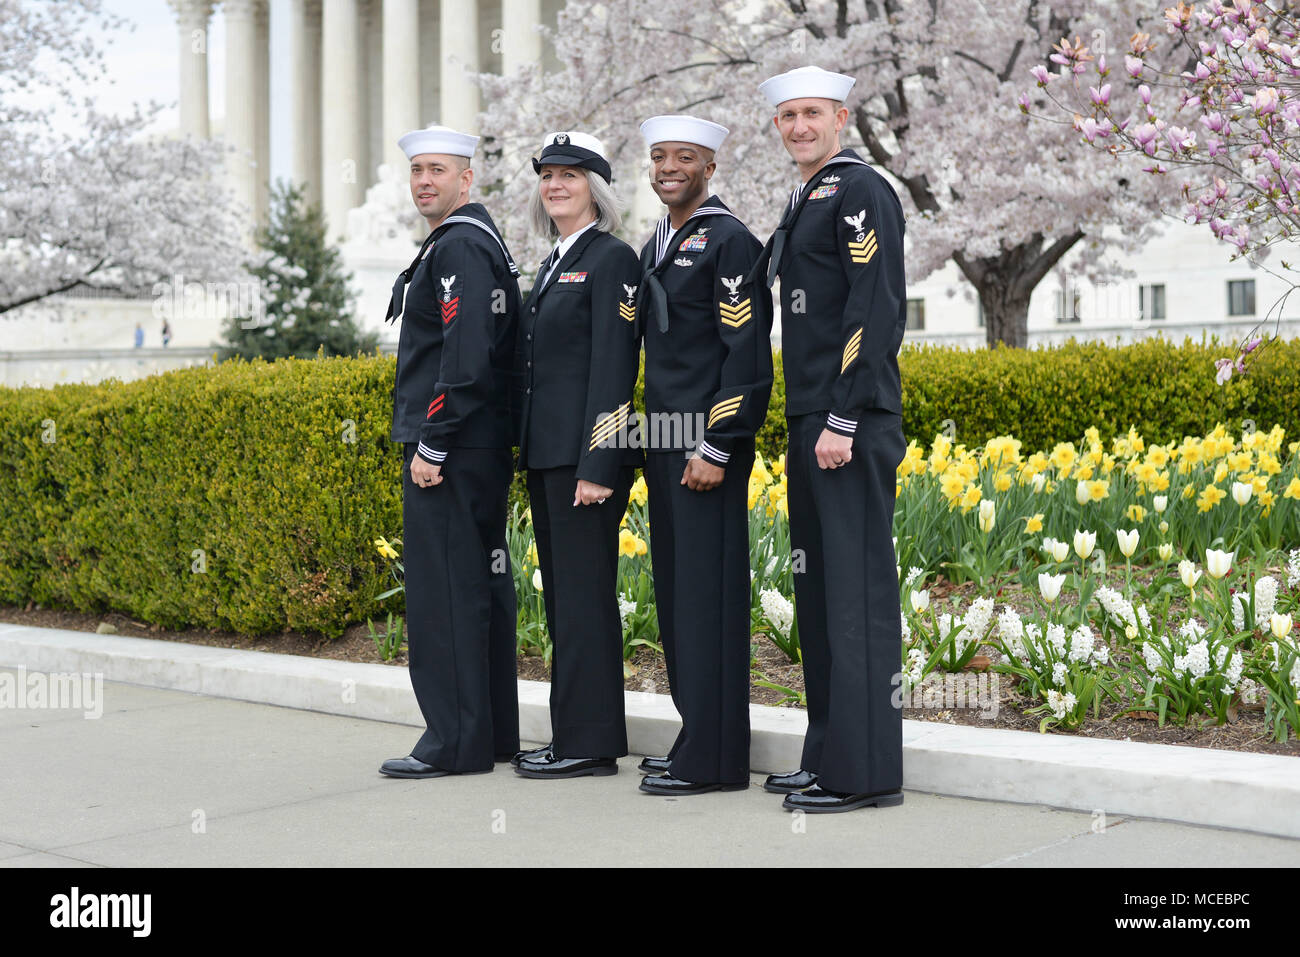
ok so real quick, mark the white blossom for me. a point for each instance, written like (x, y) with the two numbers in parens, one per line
(1265, 600)
(1058, 673)
(777, 609)
(1081, 642)
(1293, 568)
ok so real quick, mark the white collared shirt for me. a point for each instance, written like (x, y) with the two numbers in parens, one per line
(564, 245)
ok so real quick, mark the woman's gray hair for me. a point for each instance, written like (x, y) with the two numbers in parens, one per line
(609, 211)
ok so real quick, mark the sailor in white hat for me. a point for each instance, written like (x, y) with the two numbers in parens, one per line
(839, 252)
(458, 303)
(708, 366)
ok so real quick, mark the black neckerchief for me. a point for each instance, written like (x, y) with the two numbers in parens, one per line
(397, 303)
(774, 250)
(657, 255)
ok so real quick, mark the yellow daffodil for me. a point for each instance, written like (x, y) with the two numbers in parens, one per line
(1002, 481)
(639, 492)
(1034, 523)
(1136, 512)
(1293, 489)
(627, 543)
(385, 549)
(970, 498)
(1210, 496)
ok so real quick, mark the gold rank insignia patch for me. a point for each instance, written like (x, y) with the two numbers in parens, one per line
(851, 350)
(734, 316)
(861, 251)
(627, 311)
(724, 409)
(608, 426)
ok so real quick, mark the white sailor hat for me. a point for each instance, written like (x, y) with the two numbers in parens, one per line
(437, 139)
(569, 148)
(806, 81)
(680, 128)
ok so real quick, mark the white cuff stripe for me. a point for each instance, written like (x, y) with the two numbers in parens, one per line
(707, 449)
(428, 453)
(848, 425)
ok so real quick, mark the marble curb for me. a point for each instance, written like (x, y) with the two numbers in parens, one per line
(1251, 792)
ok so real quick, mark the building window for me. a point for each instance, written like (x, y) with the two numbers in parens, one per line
(1151, 302)
(916, 313)
(1067, 305)
(1241, 297)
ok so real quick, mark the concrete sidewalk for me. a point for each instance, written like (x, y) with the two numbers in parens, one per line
(176, 779)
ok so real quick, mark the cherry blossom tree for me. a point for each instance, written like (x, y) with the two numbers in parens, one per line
(1210, 109)
(934, 107)
(108, 206)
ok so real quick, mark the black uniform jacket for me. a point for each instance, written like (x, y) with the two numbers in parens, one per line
(455, 355)
(708, 376)
(577, 361)
(843, 295)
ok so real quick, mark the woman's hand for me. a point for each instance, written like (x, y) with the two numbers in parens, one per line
(589, 493)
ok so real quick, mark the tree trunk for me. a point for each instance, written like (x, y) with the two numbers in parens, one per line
(1006, 312)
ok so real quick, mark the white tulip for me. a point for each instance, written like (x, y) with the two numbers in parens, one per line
(1161, 502)
(537, 578)
(1280, 626)
(1084, 543)
(1128, 541)
(1039, 481)
(987, 515)
(1189, 573)
(920, 601)
(1060, 551)
(1164, 551)
(1081, 493)
(1218, 563)
(1241, 492)
(1050, 585)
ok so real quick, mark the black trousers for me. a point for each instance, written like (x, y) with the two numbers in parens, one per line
(577, 551)
(846, 600)
(699, 543)
(460, 610)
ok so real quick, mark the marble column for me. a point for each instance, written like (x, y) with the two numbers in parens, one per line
(521, 43)
(192, 18)
(241, 100)
(458, 56)
(341, 145)
(262, 92)
(401, 83)
(304, 94)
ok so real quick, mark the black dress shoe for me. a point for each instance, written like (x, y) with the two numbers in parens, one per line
(530, 753)
(791, 783)
(411, 767)
(547, 765)
(667, 784)
(654, 765)
(818, 800)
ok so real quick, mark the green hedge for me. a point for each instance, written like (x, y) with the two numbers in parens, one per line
(107, 491)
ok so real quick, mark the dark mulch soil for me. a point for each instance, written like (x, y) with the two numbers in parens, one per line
(646, 672)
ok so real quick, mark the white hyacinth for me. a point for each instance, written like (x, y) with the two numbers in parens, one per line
(1265, 600)
(1056, 701)
(625, 608)
(777, 609)
(1293, 568)
(1198, 659)
(1233, 674)
(1251, 691)
(1144, 616)
(1058, 673)
(1238, 611)
(1151, 656)
(907, 630)
(1056, 638)
(913, 574)
(1191, 630)
(1295, 676)
(978, 617)
(1117, 606)
(1070, 701)
(915, 665)
(1081, 644)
